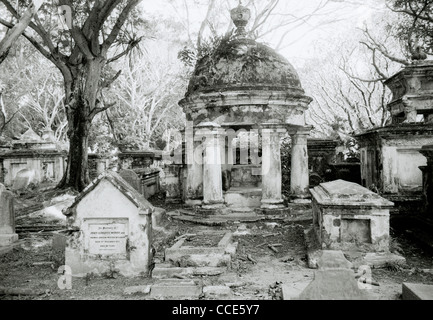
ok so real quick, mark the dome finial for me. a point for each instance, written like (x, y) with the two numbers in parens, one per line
(240, 16)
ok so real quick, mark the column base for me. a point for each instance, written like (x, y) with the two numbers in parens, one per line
(192, 203)
(213, 209)
(272, 207)
(273, 211)
(272, 204)
(8, 239)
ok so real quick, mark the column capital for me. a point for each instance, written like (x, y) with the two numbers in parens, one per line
(299, 130)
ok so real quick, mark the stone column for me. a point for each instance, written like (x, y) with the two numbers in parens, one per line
(299, 176)
(212, 178)
(271, 168)
(7, 217)
(194, 165)
(427, 178)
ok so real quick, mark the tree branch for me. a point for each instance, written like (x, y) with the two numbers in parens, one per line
(118, 25)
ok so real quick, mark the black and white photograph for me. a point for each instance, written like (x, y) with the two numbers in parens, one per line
(205, 157)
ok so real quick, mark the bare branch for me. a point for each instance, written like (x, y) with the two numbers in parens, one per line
(118, 25)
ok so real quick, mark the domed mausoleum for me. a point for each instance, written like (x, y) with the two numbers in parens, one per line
(242, 95)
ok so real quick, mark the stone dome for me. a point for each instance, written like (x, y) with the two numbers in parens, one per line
(242, 82)
(243, 64)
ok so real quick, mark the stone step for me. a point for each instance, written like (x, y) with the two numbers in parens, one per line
(166, 270)
(176, 288)
(243, 197)
(417, 291)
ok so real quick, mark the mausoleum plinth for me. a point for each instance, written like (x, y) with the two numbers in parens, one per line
(390, 157)
(250, 95)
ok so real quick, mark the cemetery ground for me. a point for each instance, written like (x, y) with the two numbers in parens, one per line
(270, 255)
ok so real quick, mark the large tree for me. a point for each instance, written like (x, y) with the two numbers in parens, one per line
(82, 54)
(11, 37)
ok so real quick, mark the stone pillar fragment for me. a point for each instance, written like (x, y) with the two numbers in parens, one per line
(7, 217)
(212, 177)
(271, 168)
(194, 174)
(299, 176)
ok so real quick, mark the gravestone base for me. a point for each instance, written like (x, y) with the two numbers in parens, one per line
(8, 239)
(80, 268)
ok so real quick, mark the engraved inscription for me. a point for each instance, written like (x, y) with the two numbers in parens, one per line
(107, 238)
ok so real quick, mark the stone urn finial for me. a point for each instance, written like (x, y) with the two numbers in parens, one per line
(240, 16)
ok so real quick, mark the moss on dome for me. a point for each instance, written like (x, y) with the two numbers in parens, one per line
(243, 64)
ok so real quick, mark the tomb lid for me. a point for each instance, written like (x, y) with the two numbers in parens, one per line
(341, 192)
(124, 187)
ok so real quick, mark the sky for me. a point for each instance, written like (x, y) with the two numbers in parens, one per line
(349, 13)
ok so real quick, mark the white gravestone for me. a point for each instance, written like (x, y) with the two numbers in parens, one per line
(111, 226)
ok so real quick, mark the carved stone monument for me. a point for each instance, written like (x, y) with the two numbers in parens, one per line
(110, 227)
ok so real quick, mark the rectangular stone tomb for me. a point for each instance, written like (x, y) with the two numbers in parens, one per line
(182, 255)
(111, 224)
(346, 214)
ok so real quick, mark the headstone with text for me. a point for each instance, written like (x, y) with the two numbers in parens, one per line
(110, 225)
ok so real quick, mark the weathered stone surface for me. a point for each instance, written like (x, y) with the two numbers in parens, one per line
(23, 179)
(417, 291)
(333, 284)
(59, 242)
(159, 216)
(398, 146)
(292, 291)
(333, 259)
(132, 178)
(111, 224)
(7, 217)
(176, 288)
(345, 213)
(163, 271)
(380, 259)
(144, 290)
(185, 256)
(217, 292)
(243, 197)
(299, 167)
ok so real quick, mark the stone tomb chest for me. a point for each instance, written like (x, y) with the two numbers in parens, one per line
(111, 229)
(346, 214)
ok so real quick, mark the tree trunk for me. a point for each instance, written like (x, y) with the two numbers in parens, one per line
(80, 101)
(77, 175)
